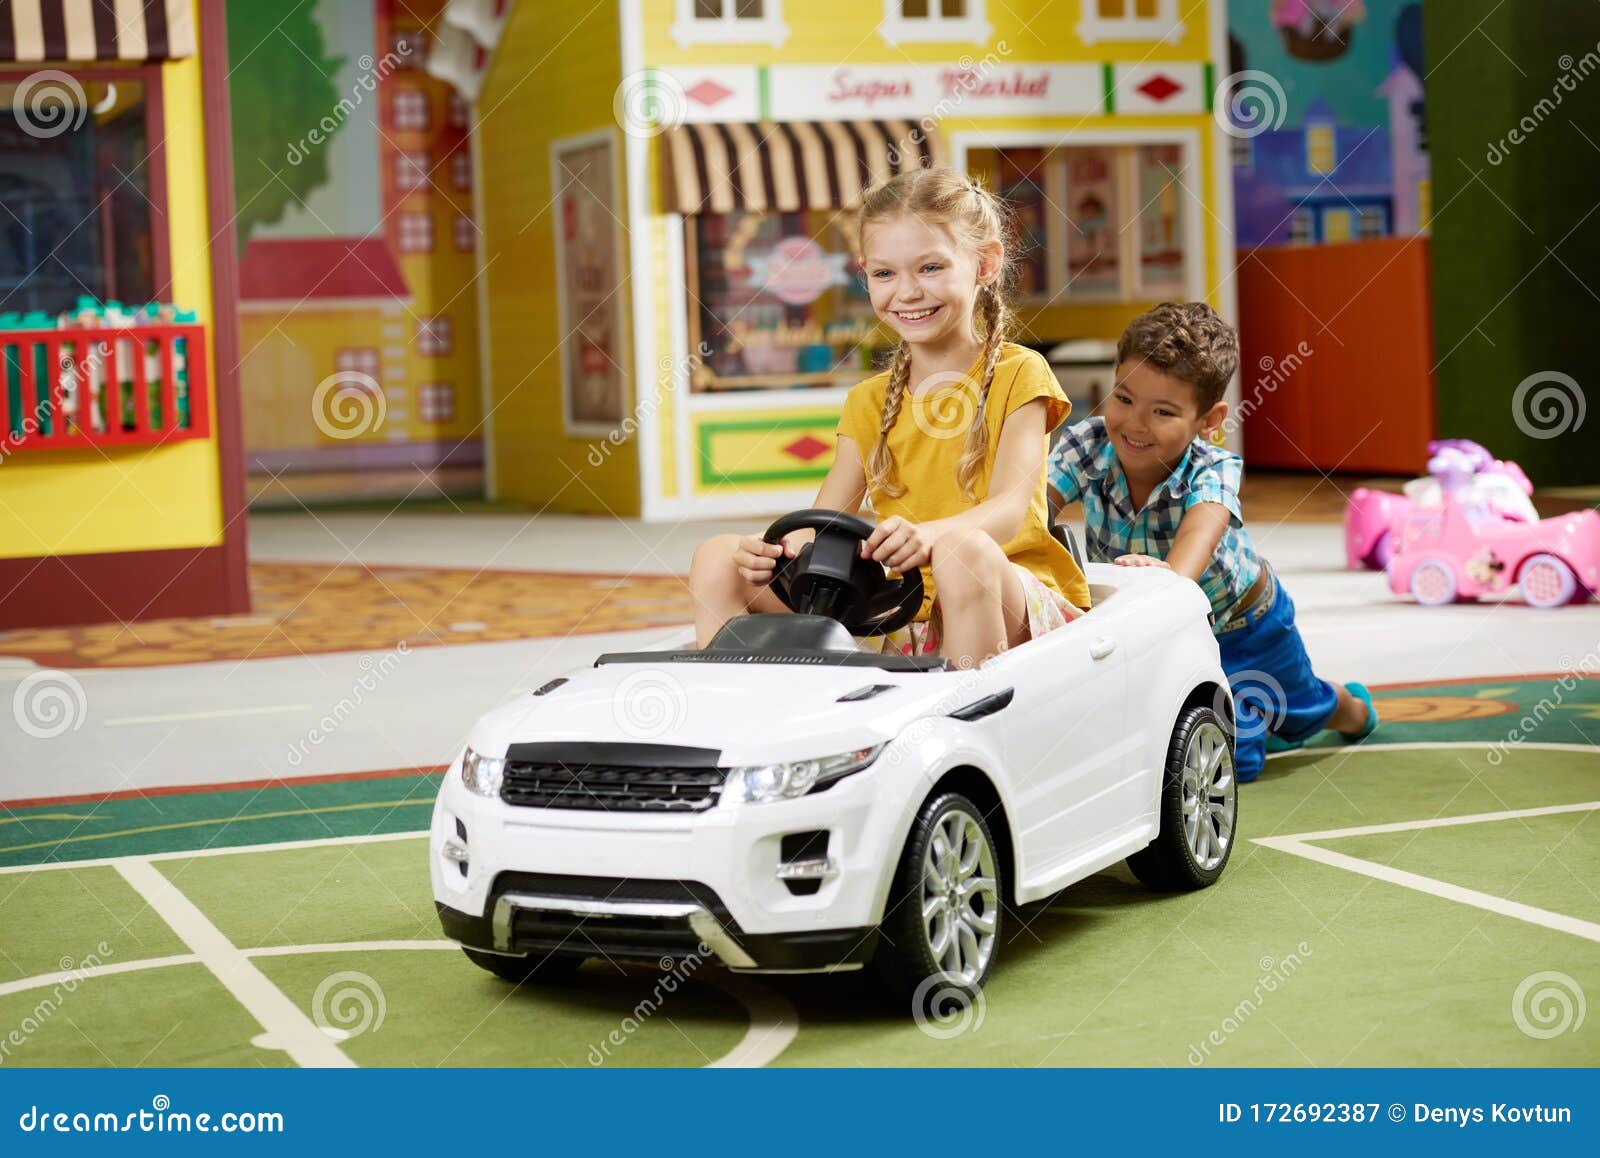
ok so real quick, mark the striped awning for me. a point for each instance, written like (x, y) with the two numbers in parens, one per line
(788, 165)
(85, 30)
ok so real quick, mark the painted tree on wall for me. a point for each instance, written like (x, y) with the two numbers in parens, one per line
(282, 90)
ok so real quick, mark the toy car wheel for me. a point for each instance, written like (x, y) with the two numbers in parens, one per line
(1382, 551)
(1433, 583)
(534, 968)
(1546, 581)
(1199, 807)
(942, 926)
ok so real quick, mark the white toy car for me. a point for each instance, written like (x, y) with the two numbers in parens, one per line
(791, 803)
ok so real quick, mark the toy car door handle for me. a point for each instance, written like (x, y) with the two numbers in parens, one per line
(1102, 647)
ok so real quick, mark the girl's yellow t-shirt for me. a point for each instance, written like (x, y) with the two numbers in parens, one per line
(927, 440)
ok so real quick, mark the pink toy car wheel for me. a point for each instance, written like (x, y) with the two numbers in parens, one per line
(1546, 581)
(1433, 583)
(1382, 551)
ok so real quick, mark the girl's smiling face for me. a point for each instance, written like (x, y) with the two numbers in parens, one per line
(920, 282)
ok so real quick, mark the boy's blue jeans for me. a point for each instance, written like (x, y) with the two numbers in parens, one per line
(1274, 688)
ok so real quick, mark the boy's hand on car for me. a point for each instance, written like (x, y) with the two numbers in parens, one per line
(900, 544)
(1141, 561)
(757, 559)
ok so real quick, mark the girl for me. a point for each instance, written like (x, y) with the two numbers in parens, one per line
(949, 442)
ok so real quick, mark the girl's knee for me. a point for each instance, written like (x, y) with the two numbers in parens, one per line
(965, 556)
(715, 553)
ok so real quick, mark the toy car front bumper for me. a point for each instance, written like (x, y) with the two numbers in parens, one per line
(637, 886)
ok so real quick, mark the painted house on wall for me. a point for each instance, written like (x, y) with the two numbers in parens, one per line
(123, 482)
(1318, 182)
(675, 332)
(360, 308)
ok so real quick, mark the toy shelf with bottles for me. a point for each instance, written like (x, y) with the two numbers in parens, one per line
(100, 385)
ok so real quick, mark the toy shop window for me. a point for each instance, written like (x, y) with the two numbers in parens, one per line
(935, 20)
(777, 302)
(83, 182)
(1130, 20)
(729, 22)
(1096, 222)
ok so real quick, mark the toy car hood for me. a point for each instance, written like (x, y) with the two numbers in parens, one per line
(750, 713)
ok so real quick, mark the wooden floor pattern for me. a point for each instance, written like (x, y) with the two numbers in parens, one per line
(315, 608)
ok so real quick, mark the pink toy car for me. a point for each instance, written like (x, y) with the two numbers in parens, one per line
(1461, 551)
(1372, 519)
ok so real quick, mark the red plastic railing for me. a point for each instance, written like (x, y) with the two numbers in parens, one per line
(103, 386)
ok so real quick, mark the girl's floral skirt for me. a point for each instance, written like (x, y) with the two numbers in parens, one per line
(1047, 610)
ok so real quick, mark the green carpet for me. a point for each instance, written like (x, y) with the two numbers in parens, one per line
(1284, 962)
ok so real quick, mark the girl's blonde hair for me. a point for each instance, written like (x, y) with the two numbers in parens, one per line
(976, 219)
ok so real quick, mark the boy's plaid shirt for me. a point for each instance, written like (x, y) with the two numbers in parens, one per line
(1084, 466)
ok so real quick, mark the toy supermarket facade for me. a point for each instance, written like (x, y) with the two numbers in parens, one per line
(688, 294)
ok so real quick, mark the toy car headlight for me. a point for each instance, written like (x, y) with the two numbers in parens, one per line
(760, 783)
(482, 774)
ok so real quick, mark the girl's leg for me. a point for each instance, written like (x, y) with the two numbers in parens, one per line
(719, 591)
(981, 600)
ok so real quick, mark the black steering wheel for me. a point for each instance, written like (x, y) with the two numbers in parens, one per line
(829, 577)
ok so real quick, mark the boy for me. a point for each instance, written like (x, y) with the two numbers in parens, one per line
(1157, 493)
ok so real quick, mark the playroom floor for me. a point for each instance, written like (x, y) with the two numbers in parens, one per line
(1434, 880)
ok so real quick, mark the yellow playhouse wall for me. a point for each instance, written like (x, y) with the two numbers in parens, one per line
(134, 499)
(554, 74)
(841, 31)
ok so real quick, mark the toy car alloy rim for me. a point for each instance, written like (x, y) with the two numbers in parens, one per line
(959, 897)
(1210, 795)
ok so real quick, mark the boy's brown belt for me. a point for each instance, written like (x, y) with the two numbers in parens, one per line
(1259, 590)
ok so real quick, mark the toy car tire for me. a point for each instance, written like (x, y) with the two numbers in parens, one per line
(1382, 551)
(1546, 581)
(1433, 583)
(533, 969)
(1199, 807)
(942, 888)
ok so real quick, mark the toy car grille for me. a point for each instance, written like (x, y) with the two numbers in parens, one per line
(611, 787)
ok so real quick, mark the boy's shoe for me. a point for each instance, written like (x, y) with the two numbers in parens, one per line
(1278, 744)
(1360, 692)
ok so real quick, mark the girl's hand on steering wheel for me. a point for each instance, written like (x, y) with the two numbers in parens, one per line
(900, 544)
(757, 559)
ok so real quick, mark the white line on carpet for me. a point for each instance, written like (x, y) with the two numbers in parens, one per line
(284, 1022)
(220, 714)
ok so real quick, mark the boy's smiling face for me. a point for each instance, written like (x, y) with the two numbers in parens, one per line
(1152, 418)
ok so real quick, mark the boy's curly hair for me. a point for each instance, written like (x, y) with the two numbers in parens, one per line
(1187, 340)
